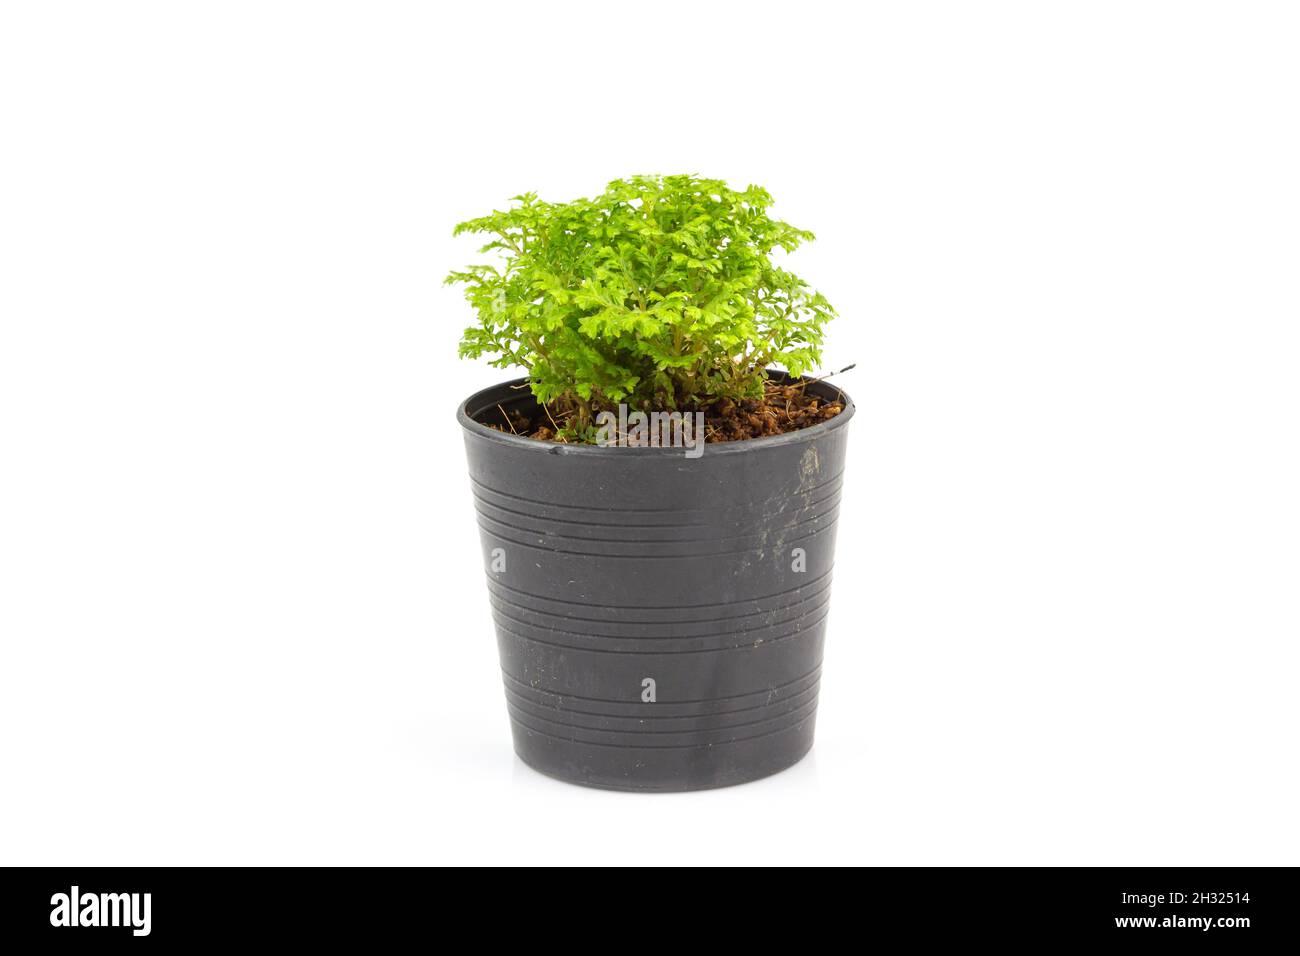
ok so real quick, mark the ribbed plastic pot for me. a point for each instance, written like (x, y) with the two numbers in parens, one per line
(660, 618)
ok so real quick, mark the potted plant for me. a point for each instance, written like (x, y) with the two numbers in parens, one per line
(657, 504)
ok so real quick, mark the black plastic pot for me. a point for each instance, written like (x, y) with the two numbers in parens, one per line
(660, 618)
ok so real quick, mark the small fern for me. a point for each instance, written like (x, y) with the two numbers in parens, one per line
(661, 293)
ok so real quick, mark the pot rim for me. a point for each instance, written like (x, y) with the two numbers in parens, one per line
(714, 448)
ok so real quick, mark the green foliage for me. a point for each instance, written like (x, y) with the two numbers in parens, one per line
(660, 292)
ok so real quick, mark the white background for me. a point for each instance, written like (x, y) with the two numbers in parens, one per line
(241, 605)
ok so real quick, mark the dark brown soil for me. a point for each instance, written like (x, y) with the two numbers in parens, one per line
(783, 408)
